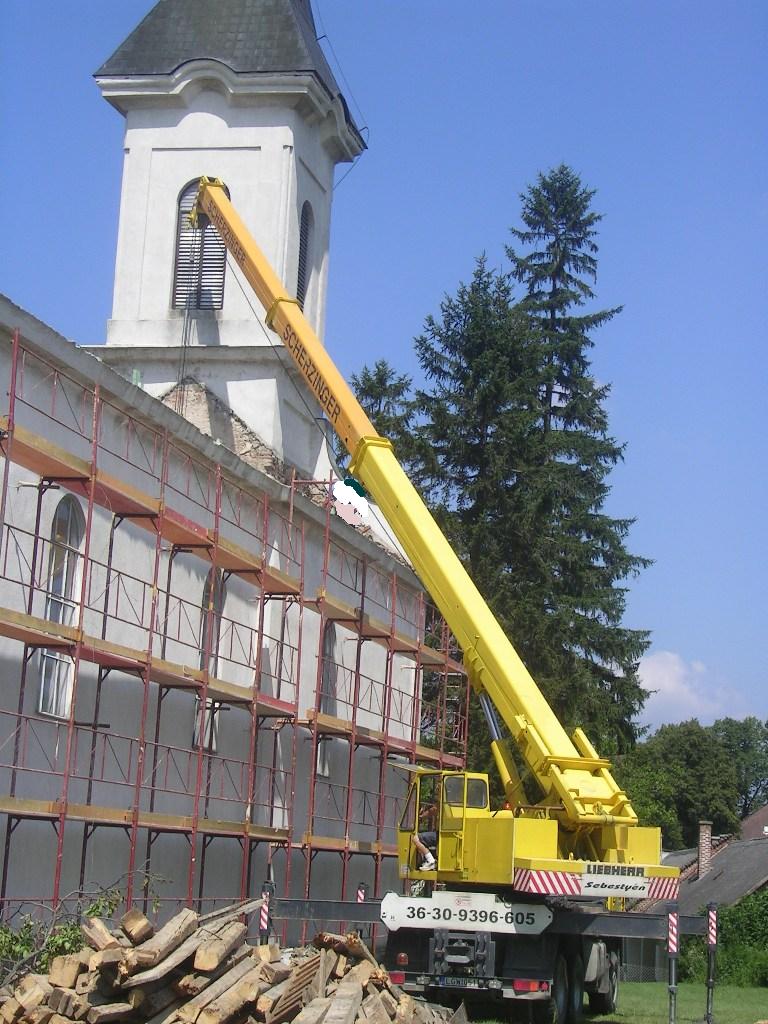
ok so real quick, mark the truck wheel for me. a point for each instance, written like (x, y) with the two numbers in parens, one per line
(575, 989)
(607, 1002)
(555, 1011)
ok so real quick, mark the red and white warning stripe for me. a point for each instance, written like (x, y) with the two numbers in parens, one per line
(664, 889)
(548, 883)
(264, 914)
(712, 926)
(673, 932)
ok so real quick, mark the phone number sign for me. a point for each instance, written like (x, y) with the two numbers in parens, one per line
(464, 912)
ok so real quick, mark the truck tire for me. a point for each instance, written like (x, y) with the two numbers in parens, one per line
(555, 1010)
(575, 989)
(607, 1002)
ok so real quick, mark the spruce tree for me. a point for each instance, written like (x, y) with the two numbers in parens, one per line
(386, 398)
(573, 554)
(516, 457)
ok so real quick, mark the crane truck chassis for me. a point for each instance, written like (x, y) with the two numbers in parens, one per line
(484, 919)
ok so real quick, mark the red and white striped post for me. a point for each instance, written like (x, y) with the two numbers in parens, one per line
(267, 889)
(362, 896)
(711, 957)
(673, 948)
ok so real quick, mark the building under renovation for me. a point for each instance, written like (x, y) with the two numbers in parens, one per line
(213, 671)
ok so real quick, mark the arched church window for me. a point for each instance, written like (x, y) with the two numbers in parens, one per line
(211, 610)
(306, 229)
(61, 600)
(327, 696)
(201, 258)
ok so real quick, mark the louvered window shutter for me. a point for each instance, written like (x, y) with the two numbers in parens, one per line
(198, 278)
(305, 240)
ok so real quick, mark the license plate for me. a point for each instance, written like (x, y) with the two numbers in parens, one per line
(452, 982)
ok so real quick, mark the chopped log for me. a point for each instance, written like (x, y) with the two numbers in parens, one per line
(87, 982)
(32, 991)
(405, 1009)
(102, 957)
(345, 1005)
(314, 1012)
(192, 1008)
(195, 981)
(341, 966)
(422, 1013)
(230, 913)
(270, 996)
(133, 960)
(178, 956)
(328, 940)
(11, 1010)
(30, 982)
(58, 1018)
(460, 1016)
(57, 994)
(136, 926)
(360, 973)
(71, 1003)
(170, 937)
(157, 1001)
(123, 941)
(233, 1000)
(96, 934)
(389, 1001)
(252, 986)
(166, 1016)
(78, 1007)
(64, 971)
(59, 1000)
(216, 948)
(290, 1001)
(109, 1012)
(316, 988)
(268, 953)
(358, 948)
(274, 973)
(374, 1007)
(40, 1015)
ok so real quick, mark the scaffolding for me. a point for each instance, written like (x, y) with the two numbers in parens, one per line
(133, 616)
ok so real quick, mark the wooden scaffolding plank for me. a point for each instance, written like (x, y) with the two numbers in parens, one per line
(30, 629)
(339, 844)
(275, 581)
(43, 457)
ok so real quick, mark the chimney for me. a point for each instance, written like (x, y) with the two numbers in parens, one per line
(705, 847)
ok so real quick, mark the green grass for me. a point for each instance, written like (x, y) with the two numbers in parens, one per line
(648, 1003)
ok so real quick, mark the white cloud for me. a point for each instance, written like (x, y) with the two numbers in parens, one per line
(685, 690)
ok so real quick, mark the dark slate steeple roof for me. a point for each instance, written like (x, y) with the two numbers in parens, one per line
(249, 36)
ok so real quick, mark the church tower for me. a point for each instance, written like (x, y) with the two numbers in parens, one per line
(238, 90)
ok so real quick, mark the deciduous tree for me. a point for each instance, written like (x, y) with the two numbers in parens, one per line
(747, 744)
(680, 776)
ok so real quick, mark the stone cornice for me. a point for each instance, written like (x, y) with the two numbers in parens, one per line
(302, 90)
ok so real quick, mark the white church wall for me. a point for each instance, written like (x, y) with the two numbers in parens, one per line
(253, 150)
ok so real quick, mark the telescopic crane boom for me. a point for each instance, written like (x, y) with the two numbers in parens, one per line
(592, 812)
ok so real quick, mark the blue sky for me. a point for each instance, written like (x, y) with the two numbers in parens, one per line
(659, 106)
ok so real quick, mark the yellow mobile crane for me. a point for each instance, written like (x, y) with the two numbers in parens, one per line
(482, 914)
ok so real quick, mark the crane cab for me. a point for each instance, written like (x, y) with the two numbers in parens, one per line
(450, 813)
(471, 841)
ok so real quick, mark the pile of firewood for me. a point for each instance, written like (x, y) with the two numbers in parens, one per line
(200, 970)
